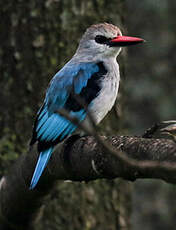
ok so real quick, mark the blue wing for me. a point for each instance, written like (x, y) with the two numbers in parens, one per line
(49, 125)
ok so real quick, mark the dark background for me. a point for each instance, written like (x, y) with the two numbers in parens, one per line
(150, 88)
(36, 39)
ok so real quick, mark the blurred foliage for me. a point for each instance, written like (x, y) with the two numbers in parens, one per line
(92, 205)
(151, 68)
(150, 98)
(37, 39)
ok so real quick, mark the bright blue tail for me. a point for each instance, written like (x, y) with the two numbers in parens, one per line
(41, 164)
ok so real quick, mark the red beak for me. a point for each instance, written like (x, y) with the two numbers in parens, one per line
(125, 41)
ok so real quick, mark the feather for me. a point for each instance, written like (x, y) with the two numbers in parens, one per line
(41, 164)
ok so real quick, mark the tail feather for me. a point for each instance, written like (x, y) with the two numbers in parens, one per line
(41, 164)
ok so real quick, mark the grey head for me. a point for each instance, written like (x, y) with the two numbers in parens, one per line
(105, 40)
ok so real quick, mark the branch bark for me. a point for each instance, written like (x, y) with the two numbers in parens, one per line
(81, 159)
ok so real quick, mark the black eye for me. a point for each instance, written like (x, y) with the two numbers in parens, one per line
(101, 39)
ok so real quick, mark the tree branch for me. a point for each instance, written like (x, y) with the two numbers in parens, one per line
(81, 159)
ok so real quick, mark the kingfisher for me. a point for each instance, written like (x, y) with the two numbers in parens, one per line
(93, 75)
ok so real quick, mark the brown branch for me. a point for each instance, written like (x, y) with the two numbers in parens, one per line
(81, 159)
(166, 128)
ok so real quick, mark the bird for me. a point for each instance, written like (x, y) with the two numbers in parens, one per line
(93, 75)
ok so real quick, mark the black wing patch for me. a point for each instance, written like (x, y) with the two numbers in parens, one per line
(88, 93)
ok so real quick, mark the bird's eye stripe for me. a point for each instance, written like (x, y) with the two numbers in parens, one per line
(102, 39)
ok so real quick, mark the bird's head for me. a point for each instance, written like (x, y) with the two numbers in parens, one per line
(105, 39)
